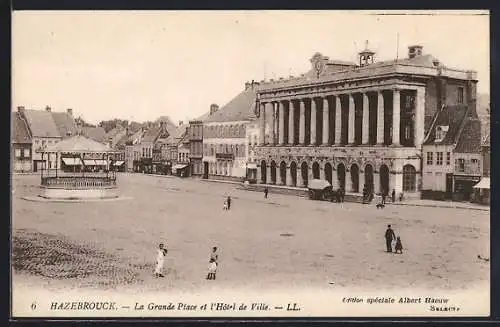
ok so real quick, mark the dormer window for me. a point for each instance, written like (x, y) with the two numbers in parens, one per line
(441, 133)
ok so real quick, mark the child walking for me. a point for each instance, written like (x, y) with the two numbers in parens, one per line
(399, 245)
(212, 269)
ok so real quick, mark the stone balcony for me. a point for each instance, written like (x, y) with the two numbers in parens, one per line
(375, 152)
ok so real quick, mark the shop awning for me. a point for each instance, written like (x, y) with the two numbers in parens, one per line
(100, 162)
(252, 165)
(484, 183)
(89, 162)
(72, 161)
(119, 163)
(179, 166)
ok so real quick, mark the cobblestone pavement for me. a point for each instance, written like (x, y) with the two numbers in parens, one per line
(282, 241)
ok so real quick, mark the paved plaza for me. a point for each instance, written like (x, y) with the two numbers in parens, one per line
(282, 241)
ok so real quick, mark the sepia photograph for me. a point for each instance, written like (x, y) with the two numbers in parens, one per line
(250, 164)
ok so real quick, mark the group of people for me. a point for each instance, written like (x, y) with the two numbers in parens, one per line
(390, 236)
(161, 253)
(227, 203)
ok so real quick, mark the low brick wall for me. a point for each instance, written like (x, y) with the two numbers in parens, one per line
(275, 189)
(226, 178)
(296, 191)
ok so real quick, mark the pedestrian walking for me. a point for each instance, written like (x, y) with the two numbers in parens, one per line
(389, 237)
(393, 196)
(161, 252)
(214, 255)
(212, 270)
(265, 192)
(383, 197)
(228, 202)
(399, 245)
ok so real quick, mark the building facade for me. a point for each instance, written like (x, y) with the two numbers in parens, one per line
(21, 145)
(196, 144)
(46, 128)
(252, 141)
(225, 137)
(356, 125)
(452, 154)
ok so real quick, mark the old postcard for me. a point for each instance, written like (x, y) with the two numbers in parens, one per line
(250, 164)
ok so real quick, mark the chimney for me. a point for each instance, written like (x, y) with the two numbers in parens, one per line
(70, 112)
(47, 108)
(180, 122)
(414, 51)
(20, 109)
(213, 109)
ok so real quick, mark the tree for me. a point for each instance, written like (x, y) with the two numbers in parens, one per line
(81, 122)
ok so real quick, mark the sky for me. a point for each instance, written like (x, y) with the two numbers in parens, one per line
(145, 64)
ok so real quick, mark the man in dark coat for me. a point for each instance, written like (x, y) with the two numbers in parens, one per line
(383, 196)
(265, 193)
(389, 237)
(393, 196)
(228, 202)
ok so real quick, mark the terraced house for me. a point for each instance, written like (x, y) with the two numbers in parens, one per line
(357, 124)
(21, 145)
(225, 154)
(45, 128)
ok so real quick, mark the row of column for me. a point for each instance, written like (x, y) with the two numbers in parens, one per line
(395, 180)
(396, 117)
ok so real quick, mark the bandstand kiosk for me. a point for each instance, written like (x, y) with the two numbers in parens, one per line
(89, 171)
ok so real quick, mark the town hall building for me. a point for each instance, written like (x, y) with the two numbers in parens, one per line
(356, 124)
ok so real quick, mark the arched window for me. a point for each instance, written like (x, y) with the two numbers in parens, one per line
(409, 178)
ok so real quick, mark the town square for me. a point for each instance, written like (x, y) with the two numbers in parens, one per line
(281, 241)
(240, 159)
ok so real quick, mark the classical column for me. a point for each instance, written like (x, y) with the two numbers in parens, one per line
(398, 183)
(302, 123)
(291, 123)
(361, 181)
(419, 117)
(366, 121)
(268, 173)
(351, 120)
(396, 113)
(348, 181)
(326, 122)
(272, 124)
(376, 182)
(335, 178)
(288, 176)
(322, 172)
(281, 128)
(300, 182)
(338, 120)
(380, 118)
(262, 127)
(313, 122)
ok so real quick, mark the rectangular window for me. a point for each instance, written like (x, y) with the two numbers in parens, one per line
(448, 158)
(439, 158)
(18, 153)
(460, 94)
(460, 165)
(26, 153)
(430, 159)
